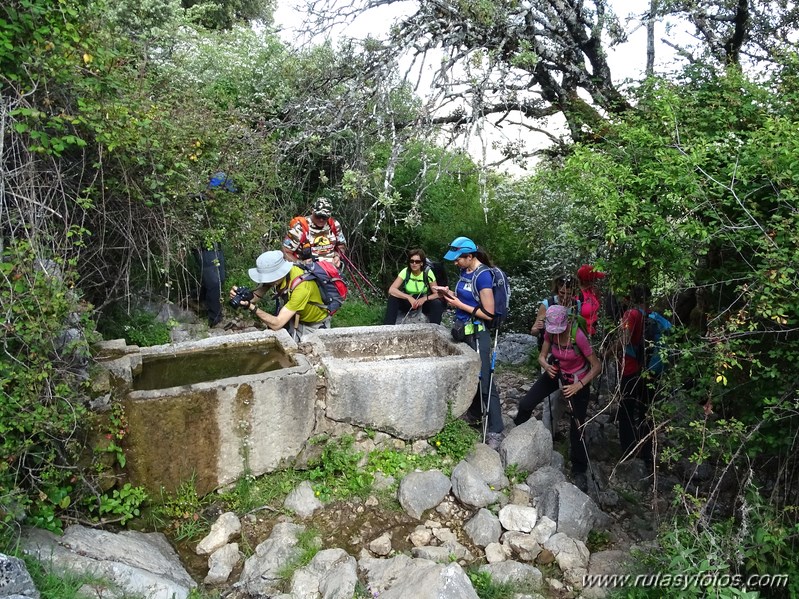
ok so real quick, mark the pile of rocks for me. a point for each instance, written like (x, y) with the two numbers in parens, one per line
(464, 519)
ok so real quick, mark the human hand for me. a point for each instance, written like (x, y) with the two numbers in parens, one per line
(571, 390)
(538, 326)
(552, 370)
(233, 291)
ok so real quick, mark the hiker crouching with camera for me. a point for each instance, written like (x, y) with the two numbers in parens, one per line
(571, 367)
(303, 310)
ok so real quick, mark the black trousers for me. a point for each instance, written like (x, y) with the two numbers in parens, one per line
(433, 309)
(577, 406)
(212, 279)
(633, 426)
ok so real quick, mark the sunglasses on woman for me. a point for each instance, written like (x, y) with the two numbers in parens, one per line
(565, 282)
(412, 261)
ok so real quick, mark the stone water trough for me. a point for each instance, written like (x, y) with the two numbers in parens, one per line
(216, 409)
(397, 379)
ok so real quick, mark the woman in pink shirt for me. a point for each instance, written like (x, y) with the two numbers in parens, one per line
(571, 368)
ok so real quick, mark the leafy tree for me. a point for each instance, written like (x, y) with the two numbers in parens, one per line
(507, 65)
(224, 14)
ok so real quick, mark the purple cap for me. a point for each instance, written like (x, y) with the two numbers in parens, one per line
(557, 319)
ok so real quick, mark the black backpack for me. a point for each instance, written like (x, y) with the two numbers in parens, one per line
(331, 286)
(438, 269)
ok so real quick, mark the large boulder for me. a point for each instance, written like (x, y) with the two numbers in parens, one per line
(332, 574)
(15, 581)
(421, 491)
(402, 577)
(575, 513)
(489, 465)
(529, 446)
(470, 488)
(138, 563)
(261, 574)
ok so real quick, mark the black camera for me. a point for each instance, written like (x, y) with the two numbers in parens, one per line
(243, 294)
(553, 360)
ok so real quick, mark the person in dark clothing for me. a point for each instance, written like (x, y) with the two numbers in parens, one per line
(632, 406)
(209, 254)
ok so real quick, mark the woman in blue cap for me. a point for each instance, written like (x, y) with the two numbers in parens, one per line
(470, 318)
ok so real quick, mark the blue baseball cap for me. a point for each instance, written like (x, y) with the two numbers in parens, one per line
(460, 245)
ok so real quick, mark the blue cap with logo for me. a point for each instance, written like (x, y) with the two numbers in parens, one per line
(460, 245)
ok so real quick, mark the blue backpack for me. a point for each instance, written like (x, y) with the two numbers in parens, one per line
(657, 325)
(649, 349)
(500, 286)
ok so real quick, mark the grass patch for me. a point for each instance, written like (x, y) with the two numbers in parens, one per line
(598, 540)
(515, 474)
(180, 514)
(455, 440)
(487, 588)
(355, 313)
(308, 545)
(628, 496)
(270, 490)
(61, 585)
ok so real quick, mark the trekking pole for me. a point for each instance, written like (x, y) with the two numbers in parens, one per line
(402, 322)
(355, 270)
(490, 384)
(358, 287)
(582, 431)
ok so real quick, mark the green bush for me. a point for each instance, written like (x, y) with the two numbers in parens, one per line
(140, 327)
(336, 473)
(41, 414)
(759, 541)
(487, 588)
(455, 440)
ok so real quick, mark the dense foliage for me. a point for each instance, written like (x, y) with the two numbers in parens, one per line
(695, 195)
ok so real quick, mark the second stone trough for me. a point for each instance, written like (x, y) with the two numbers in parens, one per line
(401, 380)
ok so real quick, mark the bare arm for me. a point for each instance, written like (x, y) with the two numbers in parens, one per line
(395, 291)
(538, 325)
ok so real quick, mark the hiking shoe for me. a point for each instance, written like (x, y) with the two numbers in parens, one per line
(581, 481)
(494, 440)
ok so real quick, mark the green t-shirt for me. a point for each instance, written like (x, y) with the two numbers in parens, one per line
(303, 298)
(415, 285)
